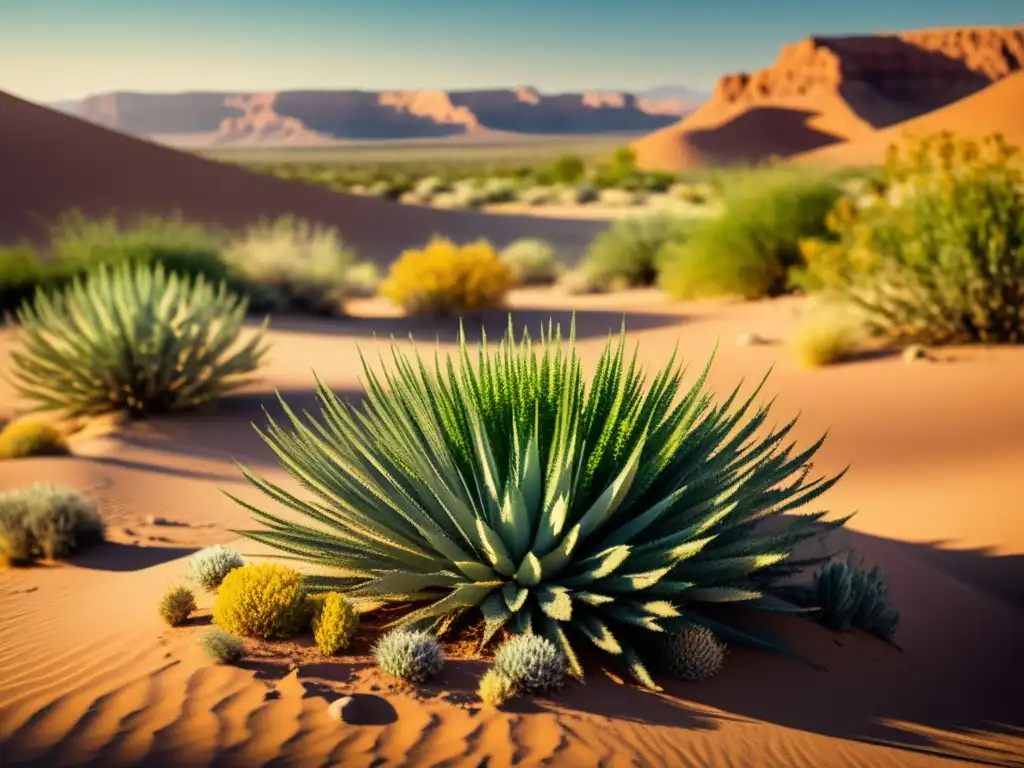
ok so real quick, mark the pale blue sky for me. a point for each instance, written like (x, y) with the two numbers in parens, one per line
(52, 49)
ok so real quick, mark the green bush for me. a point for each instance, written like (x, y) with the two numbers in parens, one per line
(938, 257)
(533, 261)
(132, 338)
(22, 272)
(567, 169)
(750, 249)
(49, 521)
(293, 265)
(630, 250)
(512, 489)
(221, 647)
(533, 664)
(415, 656)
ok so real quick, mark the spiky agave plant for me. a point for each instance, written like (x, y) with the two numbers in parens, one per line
(601, 513)
(133, 338)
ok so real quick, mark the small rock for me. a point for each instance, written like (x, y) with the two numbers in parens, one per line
(750, 339)
(155, 520)
(914, 352)
(271, 695)
(343, 709)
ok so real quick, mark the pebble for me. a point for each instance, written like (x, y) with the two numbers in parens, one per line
(914, 352)
(750, 339)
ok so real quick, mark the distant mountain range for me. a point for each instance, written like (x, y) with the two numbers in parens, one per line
(199, 119)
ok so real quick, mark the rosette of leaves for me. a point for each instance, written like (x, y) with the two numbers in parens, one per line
(508, 486)
(133, 338)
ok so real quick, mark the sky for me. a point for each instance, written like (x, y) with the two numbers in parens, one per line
(61, 49)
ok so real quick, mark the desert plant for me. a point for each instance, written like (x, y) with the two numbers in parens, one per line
(177, 604)
(209, 566)
(511, 487)
(23, 272)
(428, 187)
(540, 195)
(44, 520)
(362, 280)
(567, 169)
(849, 596)
(584, 194)
(630, 249)
(495, 689)
(221, 647)
(132, 338)
(581, 281)
(446, 278)
(751, 248)
(693, 653)
(826, 339)
(335, 622)
(265, 601)
(943, 260)
(613, 197)
(413, 655)
(533, 261)
(533, 664)
(24, 438)
(300, 265)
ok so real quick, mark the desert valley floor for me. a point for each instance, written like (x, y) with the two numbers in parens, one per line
(936, 453)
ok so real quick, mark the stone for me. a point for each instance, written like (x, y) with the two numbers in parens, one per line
(750, 339)
(343, 709)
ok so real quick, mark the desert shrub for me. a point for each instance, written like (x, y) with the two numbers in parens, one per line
(584, 194)
(939, 256)
(362, 280)
(582, 281)
(177, 604)
(132, 338)
(567, 169)
(750, 249)
(533, 261)
(503, 483)
(533, 664)
(446, 278)
(411, 655)
(495, 689)
(21, 439)
(44, 520)
(825, 339)
(428, 187)
(848, 596)
(335, 622)
(630, 249)
(300, 266)
(615, 197)
(22, 273)
(265, 601)
(538, 195)
(498, 191)
(79, 244)
(209, 566)
(221, 647)
(693, 654)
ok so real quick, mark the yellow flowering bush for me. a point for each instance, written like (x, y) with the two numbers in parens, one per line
(21, 439)
(265, 601)
(335, 622)
(445, 278)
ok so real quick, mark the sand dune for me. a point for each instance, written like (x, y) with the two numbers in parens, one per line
(825, 91)
(51, 163)
(93, 678)
(999, 108)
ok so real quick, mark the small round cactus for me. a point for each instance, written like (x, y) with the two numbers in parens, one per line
(209, 566)
(495, 689)
(177, 605)
(532, 663)
(694, 654)
(413, 655)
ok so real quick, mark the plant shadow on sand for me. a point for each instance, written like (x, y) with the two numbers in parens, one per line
(112, 556)
(429, 330)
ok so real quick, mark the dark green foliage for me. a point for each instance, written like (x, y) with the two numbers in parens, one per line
(849, 596)
(568, 169)
(598, 512)
(750, 249)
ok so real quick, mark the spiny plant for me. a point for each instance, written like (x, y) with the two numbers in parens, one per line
(850, 596)
(693, 654)
(532, 663)
(411, 655)
(134, 338)
(597, 513)
(177, 604)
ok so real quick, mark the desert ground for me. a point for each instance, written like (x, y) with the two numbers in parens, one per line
(934, 450)
(934, 446)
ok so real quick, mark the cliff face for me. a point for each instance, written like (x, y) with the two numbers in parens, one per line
(917, 71)
(310, 116)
